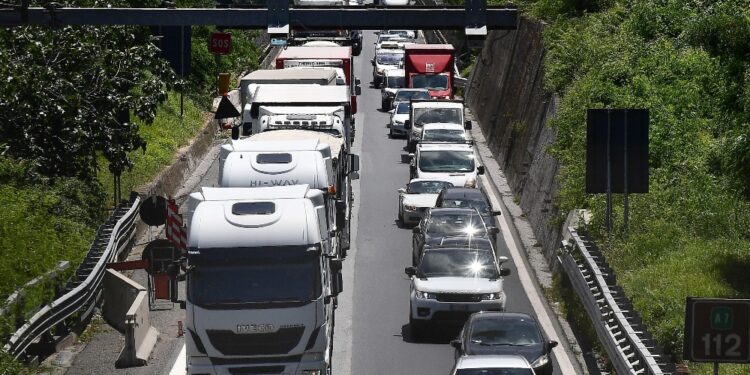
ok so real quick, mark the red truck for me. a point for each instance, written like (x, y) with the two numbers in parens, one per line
(334, 57)
(430, 66)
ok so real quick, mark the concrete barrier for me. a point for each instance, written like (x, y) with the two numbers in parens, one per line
(126, 309)
(140, 336)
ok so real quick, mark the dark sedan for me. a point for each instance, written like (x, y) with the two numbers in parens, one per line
(494, 333)
(439, 223)
(459, 197)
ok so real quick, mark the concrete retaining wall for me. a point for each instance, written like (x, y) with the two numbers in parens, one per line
(507, 96)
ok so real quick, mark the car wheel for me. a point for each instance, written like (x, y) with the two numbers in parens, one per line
(390, 133)
(384, 104)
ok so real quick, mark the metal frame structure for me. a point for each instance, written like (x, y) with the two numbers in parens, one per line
(475, 18)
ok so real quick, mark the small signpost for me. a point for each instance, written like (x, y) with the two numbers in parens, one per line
(717, 330)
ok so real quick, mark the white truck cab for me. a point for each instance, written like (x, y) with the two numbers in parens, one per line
(430, 112)
(260, 287)
(445, 132)
(452, 162)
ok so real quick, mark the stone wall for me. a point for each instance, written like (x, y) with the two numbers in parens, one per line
(507, 96)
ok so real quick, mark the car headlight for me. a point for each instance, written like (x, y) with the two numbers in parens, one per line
(541, 361)
(492, 296)
(410, 207)
(312, 372)
(425, 295)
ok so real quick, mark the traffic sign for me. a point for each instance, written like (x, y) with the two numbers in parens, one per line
(717, 330)
(220, 43)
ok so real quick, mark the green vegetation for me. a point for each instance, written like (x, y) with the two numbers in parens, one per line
(689, 63)
(64, 103)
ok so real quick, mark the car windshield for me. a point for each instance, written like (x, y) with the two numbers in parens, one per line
(406, 95)
(394, 82)
(430, 81)
(505, 332)
(389, 58)
(494, 371)
(437, 115)
(478, 204)
(443, 135)
(403, 108)
(245, 276)
(458, 263)
(449, 225)
(427, 187)
(446, 161)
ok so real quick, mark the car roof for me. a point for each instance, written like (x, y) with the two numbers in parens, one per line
(442, 125)
(437, 211)
(480, 361)
(428, 179)
(500, 315)
(462, 192)
(444, 146)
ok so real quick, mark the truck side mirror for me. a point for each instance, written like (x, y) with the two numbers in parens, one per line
(402, 190)
(416, 230)
(337, 283)
(480, 169)
(353, 163)
(336, 265)
(494, 230)
(496, 213)
(340, 215)
(407, 124)
(502, 259)
(456, 344)
(357, 81)
(235, 132)
(467, 125)
(358, 90)
(410, 271)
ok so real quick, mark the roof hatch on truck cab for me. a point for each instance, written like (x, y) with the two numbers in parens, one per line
(253, 208)
(275, 158)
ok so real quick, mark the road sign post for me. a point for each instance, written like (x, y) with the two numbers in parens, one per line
(717, 330)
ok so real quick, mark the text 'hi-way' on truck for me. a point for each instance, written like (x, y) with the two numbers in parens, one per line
(425, 112)
(294, 157)
(335, 57)
(311, 107)
(430, 66)
(261, 287)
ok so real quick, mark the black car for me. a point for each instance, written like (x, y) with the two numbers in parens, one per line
(439, 223)
(497, 333)
(459, 197)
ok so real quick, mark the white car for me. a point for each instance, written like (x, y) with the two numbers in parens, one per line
(409, 34)
(417, 197)
(450, 283)
(406, 95)
(452, 162)
(395, 3)
(491, 365)
(399, 115)
(445, 132)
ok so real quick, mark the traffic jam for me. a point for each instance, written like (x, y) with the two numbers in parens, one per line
(267, 243)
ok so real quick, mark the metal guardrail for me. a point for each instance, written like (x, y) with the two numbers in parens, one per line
(631, 348)
(82, 290)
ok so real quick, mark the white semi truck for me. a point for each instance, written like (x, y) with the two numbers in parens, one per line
(261, 285)
(294, 157)
(311, 107)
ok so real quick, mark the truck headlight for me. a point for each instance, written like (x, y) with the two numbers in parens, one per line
(491, 296)
(312, 357)
(541, 361)
(312, 372)
(410, 207)
(425, 295)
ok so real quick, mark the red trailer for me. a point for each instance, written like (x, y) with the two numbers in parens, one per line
(430, 66)
(335, 57)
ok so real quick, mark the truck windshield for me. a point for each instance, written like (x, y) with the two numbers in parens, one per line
(446, 161)
(389, 58)
(243, 277)
(394, 82)
(406, 95)
(437, 115)
(443, 135)
(430, 81)
(494, 371)
(458, 263)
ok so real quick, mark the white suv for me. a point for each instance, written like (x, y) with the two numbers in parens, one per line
(433, 112)
(451, 283)
(492, 364)
(453, 162)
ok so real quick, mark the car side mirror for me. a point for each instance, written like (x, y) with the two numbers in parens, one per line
(392, 111)
(372, 61)
(496, 213)
(502, 259)
(480, 169)
(456, 344)
(407, 124)
(467, 125)
(410, 271)
(551, 344)
(402, 190)
(416, 230)
(504, 272)
(494, 230)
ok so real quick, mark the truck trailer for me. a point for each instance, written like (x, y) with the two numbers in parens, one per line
(430, 66)
(261, 286)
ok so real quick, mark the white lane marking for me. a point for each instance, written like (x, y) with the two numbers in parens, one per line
(529, 288)
(180, 364)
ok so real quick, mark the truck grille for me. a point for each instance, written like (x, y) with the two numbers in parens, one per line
(280, 342)
(458, 297)
(256, 370)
